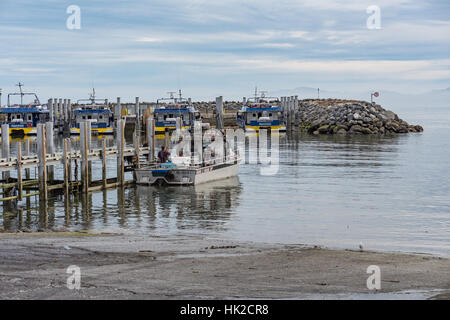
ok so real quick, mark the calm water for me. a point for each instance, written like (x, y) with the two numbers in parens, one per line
(390, 193)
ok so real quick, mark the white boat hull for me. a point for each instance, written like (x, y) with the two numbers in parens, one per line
(187, 176)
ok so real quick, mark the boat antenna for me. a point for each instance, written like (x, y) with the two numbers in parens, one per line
(171, 93)
(263, 94)
(92, 96)
(20, 85)
(256, 93)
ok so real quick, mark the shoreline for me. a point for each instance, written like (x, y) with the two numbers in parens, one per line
(117, 266)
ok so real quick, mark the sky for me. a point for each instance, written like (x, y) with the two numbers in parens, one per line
(209, 48)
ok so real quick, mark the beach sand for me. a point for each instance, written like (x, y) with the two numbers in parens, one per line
(117, 266)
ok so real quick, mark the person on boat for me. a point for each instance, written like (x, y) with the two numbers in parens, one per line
(163, 154)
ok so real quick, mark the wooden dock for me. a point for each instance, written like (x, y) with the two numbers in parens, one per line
(75, 164)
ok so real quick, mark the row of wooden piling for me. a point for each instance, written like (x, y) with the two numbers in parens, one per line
(61, 112)
(46, 159)
(290, 111)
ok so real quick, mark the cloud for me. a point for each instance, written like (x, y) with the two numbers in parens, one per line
(393, 69)
(217, 42)
(276, 45)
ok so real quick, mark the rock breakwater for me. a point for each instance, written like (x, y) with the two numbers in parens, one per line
(332, 116)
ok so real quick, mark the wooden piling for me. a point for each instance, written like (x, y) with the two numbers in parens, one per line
(19, 171)
(104, 177)
(166, 139)
(291, 113)
(5, 148)
(138, 117)
(42, 154)
(117, 112)
(69, 165)
(137, 151)
(50, 107)
(27, 153)
(120, 154)
(84, 155)
(68, 116)
(60, 108)
(64, 112)
(66, 167)
(50, 148)
(198, 140)
(89, 144)
(151, 138)
(219, 113)
(179, 124)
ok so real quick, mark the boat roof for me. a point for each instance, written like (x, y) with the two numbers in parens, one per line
(23, 110)
(172, 110)
(261, 107)
(86, 111)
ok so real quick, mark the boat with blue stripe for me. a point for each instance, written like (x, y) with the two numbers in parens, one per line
(167, 111)
(23, 118)
(97, 112)
(261, 112)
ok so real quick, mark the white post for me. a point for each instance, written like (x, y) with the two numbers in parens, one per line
(5, 147)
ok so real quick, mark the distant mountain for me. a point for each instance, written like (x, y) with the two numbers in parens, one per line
(447, 90)
(303, 92)
(387, 98)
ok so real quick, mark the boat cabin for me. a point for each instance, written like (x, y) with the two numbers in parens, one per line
(258, 113)
(166, 113)
(23, 118)
(97, 112)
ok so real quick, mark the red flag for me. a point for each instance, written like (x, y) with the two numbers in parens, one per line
(376, 94)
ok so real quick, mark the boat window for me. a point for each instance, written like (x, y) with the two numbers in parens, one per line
(84, 117)
(254, 115)
(100, 117)
(259, 114)
(165, 117)
(30, 117)
(89, 117)
(270, 114)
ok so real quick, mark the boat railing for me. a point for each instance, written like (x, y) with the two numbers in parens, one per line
(196, 164)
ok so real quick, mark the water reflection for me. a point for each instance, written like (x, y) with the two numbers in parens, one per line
(138, 208)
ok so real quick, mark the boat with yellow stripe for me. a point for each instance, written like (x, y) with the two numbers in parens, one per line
(96, 111)
(167, 111)
(261, 112)
(23, 118)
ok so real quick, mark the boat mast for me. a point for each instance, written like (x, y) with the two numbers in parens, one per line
(20, 85)
(263, 94)
(92, 96)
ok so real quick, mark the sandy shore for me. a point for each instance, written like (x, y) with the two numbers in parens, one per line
(33, 266)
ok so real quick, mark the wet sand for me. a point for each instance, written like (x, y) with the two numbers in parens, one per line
(33, 266)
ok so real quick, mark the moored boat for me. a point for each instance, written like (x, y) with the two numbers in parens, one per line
(23, 118)
(191, 170)
(167, 111)
(259, 113)
(96, 111)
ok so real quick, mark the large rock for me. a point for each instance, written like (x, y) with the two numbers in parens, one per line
(330, 116)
